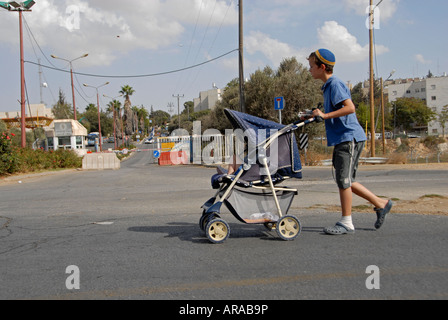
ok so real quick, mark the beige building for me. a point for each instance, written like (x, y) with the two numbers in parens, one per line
(34, 110)
(207, 100)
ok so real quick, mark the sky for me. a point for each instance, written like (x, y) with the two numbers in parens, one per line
(154, 45)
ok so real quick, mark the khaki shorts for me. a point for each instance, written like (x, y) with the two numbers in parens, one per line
(345, 162)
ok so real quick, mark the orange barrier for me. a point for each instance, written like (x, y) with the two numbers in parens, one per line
(173, 158)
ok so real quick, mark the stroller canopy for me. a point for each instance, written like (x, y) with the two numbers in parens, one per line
(257, 131)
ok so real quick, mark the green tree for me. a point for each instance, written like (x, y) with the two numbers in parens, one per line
(160, 118)
(292, 80)
(142, 117)
(359, 95)
(411, 113)
(128, 117)
(443, 119)
(188, 109)
(91, 115)
(114, 107)
(62, 109)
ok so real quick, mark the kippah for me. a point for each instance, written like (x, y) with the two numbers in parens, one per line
(326, 56)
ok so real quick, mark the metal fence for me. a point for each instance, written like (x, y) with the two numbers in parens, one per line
(203, 149)
(220, 149)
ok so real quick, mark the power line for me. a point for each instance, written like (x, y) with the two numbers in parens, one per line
(34, 38)
(136, 76)
(190, 83)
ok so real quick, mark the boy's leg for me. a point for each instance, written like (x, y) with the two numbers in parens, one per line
(346, 197)
(382, 206)
(343, 165)
(345, 225)
(366, 194)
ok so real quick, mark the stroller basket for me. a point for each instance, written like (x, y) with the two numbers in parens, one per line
(258, 207)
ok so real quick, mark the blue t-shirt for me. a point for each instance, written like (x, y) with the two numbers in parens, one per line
(342, 129)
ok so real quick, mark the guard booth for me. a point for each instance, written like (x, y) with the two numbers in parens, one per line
(67, 134)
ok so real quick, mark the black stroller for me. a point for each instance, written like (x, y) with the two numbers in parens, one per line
(252, 193)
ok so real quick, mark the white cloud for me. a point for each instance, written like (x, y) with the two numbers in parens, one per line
(344, 45)
(107, 29)
(420, 58)
(331, 35)
(274, 50)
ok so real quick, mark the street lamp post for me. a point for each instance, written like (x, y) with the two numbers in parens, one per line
(71, 74)
(99, 117)
(382, 109)
(241, 56)
(19, 7)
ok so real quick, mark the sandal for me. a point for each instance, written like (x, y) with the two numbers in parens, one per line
(338, 229)
(381, 214)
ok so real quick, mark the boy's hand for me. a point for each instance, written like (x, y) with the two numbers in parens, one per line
(318, 113)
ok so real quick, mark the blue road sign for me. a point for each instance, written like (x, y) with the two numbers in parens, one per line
(279, 103)
(156, 154)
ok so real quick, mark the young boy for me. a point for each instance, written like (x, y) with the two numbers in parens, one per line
(348, 138)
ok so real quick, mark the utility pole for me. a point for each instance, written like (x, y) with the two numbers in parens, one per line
(241, 57)
(178, 106)
(382, 118)
(20, 7)
(372, 83)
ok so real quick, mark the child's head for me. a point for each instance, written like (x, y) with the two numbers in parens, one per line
(323, 57)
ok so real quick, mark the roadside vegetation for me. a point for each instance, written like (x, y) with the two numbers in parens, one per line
(14, 159)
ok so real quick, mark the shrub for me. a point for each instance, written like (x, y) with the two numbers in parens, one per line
(27, 160)
(431, 142)
(8, 158)
(397, 158)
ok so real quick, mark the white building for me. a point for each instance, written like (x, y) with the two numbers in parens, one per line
(432, 90)
(207, 100)
(67, 134)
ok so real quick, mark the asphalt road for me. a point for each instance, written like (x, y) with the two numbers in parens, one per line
(133, 234)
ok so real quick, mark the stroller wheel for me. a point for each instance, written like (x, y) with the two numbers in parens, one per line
(217, 231)
(288, 228)
(205, 218)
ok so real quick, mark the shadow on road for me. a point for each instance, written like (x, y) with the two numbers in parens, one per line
(192, 233)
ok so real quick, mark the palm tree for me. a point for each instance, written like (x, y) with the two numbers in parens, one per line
(127, 91)
(135, 118)
(143, 115)
(115, 107)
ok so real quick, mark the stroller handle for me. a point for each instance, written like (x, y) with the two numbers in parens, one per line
(300, 123)
(308, 115)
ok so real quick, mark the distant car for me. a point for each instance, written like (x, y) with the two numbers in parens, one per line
(110, 140)
(149, 141)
